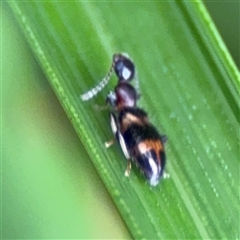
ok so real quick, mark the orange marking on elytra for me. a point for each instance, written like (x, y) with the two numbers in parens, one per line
(149, 144)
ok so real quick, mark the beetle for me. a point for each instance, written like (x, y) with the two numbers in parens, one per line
(139, 140)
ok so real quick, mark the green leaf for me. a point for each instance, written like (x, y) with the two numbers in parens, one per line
(189, 86)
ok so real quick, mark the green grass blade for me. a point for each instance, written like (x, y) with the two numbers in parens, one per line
(189, 86)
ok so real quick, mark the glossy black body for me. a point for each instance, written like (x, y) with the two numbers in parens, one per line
(140, 142)
(144, 143)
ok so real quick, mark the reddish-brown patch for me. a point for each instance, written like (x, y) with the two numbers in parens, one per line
(149, 144)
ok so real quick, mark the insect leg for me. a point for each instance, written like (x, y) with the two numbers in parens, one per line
(128, 170)
(110, 143)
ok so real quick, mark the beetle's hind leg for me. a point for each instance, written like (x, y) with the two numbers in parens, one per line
(128, 170)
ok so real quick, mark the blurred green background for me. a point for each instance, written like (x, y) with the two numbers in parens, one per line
(43, 177)
(226, 16)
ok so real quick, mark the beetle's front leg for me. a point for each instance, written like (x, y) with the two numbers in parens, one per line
(110, 143)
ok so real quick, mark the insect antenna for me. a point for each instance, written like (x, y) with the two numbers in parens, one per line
(94, 91)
